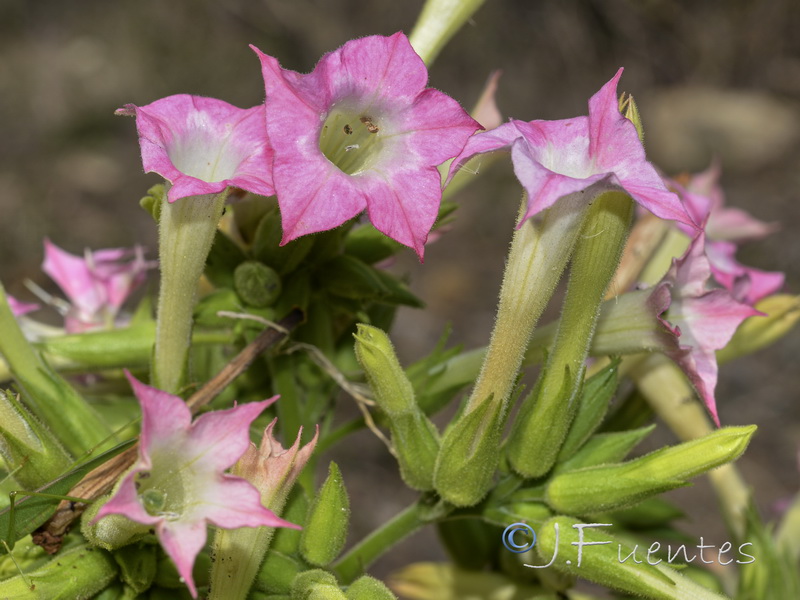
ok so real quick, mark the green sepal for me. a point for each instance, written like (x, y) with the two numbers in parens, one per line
(369, 588)
(348, 277)
(267, 248)
(152, 202)
(33, 454)
(416, 444)
(316, 585)
(137, 566)
(370, 245)
(277, 572)
(325, 529)
(605, 448)
(542, 424)
(286, 539)
(468, 455)
(471, 543)
(78, 574)
(225, 255)
(597, 393)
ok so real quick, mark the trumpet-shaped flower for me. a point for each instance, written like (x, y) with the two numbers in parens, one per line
(699, 321)
(178, 484)
(96, 285)
(725, 228)
(589, 155)
(203, 145)
(361, 131)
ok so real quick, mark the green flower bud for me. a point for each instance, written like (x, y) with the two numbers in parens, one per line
(113, 531)
(256, 284)
(595, 489)
(277, 573)
(414, 437)
(782, 313)
(369, 588)
(589, 551)
(78, 573)
(316, 585)
(469, 455)
(390, 385)
(31, 452)
(325, 529)
(137, 566)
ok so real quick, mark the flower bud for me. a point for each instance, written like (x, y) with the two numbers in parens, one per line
(595, 489)
(781, 311)
(256, 284)
(369, 588)
(438, 22)
(137, 566)
(80, 572)
(325, 528)
(468, 456)
(31, 452)
(589, 551)
(316, 585)
(414, 437)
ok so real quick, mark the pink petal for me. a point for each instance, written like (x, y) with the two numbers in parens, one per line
(73, 276)
(220, 437)
(246, 511)
(126, 502)
(20, 308)
(747, 284)
(183, 541)
(164, 417)
(737, 225)
(375, 69)
(404, 205)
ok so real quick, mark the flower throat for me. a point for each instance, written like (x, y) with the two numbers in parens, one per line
(350, 141)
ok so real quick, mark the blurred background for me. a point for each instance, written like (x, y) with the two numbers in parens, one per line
(719, 78)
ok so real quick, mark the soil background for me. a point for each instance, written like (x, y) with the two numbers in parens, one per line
(719, 78)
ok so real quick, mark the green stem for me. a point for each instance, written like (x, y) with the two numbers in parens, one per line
(368, 550)
(186, 232)
(438, 22)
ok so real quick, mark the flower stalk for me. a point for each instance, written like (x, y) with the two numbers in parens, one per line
(186, 232)
(544, 419)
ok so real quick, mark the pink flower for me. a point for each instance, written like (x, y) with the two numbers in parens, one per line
(203, 145)
(178, 483)
(361, 131)
(725, 228)
(96, 285)
(699, 321)
(20, 308)
(590, 155)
